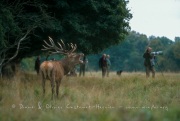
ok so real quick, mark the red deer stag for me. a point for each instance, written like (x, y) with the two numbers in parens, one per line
(55, 70)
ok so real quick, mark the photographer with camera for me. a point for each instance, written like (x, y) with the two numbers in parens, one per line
(149, 62)
(103, 65)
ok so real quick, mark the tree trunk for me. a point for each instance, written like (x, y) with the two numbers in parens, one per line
(10, 70)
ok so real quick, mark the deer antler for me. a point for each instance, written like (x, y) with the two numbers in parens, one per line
(59, 48)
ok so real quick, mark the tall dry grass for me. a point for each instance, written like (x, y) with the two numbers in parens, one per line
(130, 97)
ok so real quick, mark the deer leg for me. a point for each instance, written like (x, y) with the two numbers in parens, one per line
(52, 85)
(43, 83)
(57, 87)
(57, 91)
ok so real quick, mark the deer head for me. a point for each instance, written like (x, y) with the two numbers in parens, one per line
(71, 58)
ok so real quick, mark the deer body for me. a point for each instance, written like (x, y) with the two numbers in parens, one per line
(52, 71)
(55, 70)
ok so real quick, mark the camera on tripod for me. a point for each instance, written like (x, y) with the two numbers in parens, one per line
(154, 59)
(157, 53)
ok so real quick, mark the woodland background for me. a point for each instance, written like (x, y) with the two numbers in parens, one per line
(128, 55)
(96, 27)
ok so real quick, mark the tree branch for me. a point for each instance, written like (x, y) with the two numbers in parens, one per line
(18, 44)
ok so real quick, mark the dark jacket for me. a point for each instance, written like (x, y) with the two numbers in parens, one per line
(37, 64)
(102, 62)
(147, 56)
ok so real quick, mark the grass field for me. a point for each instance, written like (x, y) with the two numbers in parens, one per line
(130, 97)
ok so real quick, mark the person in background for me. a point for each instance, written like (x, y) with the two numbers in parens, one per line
(149, 62)
(83, 66)
(103, 65)
(108, 64)
(37, 64)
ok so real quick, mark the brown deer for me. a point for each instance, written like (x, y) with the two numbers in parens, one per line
(55, 70)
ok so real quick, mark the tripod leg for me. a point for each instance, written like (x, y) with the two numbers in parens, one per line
(160, 69)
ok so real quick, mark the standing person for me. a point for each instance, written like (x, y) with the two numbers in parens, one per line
(83, 66)
(37, 64)
(103, 65)
(149, 62)
(108, 64)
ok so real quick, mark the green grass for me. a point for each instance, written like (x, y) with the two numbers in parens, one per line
(130, 97)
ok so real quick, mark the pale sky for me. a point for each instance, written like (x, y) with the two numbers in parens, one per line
(156, 17)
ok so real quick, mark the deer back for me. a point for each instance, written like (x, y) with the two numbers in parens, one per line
(52, 68)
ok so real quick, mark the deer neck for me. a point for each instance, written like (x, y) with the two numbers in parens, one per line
(68, 66)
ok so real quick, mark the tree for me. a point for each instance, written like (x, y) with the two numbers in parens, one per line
(15, 28)
(177, 39)
(160, 43)
(92, 25)
(128, 55)
(5, 58)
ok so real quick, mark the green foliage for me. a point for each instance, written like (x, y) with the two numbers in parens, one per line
(7, 26)
(27, 64)
(92, 25)
(176, 48)
(127, 55)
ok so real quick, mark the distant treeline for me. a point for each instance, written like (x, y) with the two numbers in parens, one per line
(127, 55)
